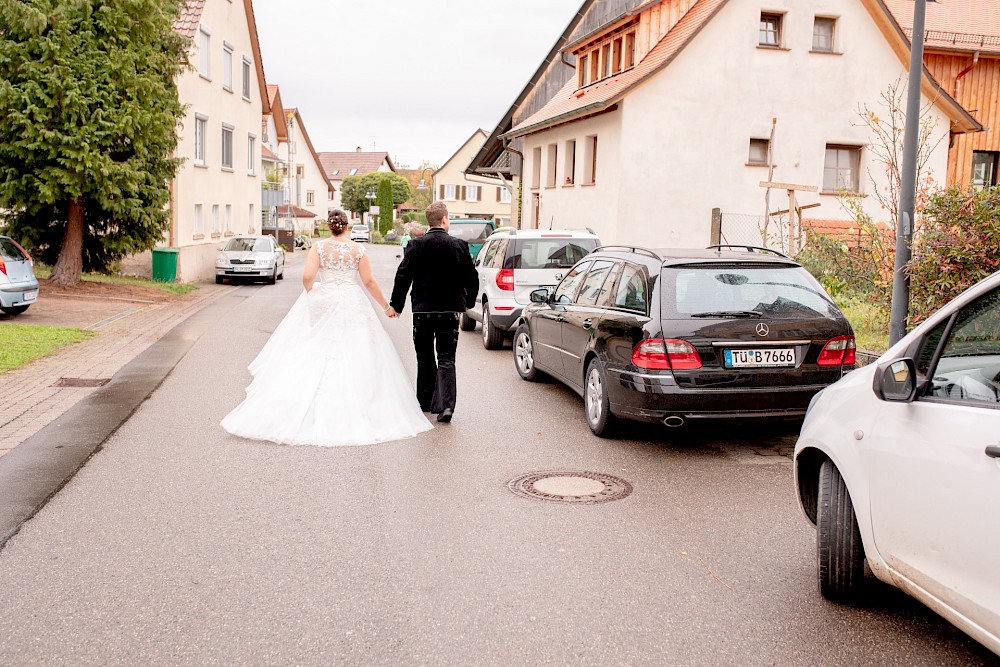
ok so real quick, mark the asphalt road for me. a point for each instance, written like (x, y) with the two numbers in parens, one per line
(177, 543)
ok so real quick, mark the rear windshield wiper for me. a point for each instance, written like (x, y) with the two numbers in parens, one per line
(730, 313)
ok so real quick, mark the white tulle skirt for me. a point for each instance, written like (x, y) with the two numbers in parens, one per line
(329, 375)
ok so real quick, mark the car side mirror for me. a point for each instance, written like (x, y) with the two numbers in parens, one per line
(540, 295)
(896, 381)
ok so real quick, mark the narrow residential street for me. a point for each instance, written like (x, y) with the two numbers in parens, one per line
(177, 543)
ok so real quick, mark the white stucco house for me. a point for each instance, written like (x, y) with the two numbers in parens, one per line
(468, 195)
(216, 193)
(339, 165)
(681, 106)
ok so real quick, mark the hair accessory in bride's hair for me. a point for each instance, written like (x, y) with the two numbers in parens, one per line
(337, 221)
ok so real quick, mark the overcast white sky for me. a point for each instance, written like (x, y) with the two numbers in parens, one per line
(416, 77)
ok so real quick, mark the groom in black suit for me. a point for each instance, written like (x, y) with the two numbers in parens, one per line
(439, 268)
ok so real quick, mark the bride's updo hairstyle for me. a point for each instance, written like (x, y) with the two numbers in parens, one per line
(337, 221)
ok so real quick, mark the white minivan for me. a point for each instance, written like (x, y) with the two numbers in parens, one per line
(512, 263)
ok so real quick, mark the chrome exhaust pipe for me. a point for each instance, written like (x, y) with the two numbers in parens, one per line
(673, 421)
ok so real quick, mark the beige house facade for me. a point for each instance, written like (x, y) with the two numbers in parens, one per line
(217, 191)
(339, 165)
(471, 196)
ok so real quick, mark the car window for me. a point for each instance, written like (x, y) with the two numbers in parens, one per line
(606, 296)
(487, 253)
(549, 253)
(10, 252)
(929, 346)
(473, 232)
(567, 289)
(631, 292)
(239, 244)
(788, 292)
(498, 257)
(593, 284)
(969, 368)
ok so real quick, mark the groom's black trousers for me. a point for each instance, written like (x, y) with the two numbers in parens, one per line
(437, 384)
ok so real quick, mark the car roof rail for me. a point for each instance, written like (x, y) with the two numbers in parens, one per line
(748, 248)
(630, 248)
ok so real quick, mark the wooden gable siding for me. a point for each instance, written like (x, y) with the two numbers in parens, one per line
(656, 22)
(979, 92)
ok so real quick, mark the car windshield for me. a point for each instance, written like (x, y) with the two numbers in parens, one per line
(745, 292)
(249, 245)
(361, 228)
(10, 252)
(475, 232)
(549, 253)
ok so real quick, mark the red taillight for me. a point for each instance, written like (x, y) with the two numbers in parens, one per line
(3, 267)
(505, 280)
(669, 353)
(839, 351)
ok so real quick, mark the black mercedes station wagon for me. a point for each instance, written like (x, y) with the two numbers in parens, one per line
(675, 335)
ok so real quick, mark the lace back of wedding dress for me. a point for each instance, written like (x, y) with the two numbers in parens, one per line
(339, 260)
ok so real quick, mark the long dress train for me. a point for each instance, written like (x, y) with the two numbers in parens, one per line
(329, 375)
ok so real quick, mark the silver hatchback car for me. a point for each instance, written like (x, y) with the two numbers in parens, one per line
(250, 258)
(18, 285)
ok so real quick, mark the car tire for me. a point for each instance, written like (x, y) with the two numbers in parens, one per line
(281, 276)
(524, 355)
(492, 336)
(219, 280)
(274, 277)
(466, 323)
(840, 554)
(596, 404)
(14, 310)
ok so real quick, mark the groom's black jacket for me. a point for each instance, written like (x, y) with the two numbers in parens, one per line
(439, 268)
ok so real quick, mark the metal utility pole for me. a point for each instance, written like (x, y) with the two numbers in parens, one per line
(908, 180)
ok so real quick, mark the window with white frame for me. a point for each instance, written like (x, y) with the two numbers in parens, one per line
(227, 146)
(251, 220)
(229, 218)
(215, 218)
(227, 66)
(205, 52)
(770, 30)
(246, 78)
(536, 167)
(310, 197)
(450, 192)
(840, 169)
(251, 154)
(199, 220)
(472, 193)
(504, 195)
(823, 34)
(758, 151)
(551, 165)
(590, 160)
(984, 169)
(570, 167)
(200, 130)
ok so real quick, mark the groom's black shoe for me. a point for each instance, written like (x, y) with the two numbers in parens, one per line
(445, 415)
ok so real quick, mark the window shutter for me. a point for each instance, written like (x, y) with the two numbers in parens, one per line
(461, 196)
(498, 194)
(442, 191)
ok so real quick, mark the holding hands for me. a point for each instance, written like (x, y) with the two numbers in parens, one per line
(391, 313)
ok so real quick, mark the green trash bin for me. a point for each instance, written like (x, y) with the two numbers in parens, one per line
(165, 264)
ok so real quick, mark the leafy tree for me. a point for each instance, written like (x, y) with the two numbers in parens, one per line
(354, 188)
(385, 206)
(90, 112)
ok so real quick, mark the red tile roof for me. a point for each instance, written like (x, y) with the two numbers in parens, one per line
(296, 212)
(190, 17)
(964, 25)
(267, 153)
(339, 166)
(573, 103)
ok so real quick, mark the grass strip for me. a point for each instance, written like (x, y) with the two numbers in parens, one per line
(23, 343)
(43, 272)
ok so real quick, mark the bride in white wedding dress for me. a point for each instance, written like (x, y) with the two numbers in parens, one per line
(329, 375)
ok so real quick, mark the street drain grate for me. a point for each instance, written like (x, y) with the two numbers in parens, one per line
(570, 487)
(81, 382)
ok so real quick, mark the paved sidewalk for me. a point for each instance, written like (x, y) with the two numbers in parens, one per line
(30, 399)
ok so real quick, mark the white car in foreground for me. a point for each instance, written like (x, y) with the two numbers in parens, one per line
(898, 465)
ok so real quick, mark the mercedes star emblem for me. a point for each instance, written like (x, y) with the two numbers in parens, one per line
(762, 329)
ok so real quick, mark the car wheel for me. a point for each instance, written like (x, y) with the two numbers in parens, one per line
(597, 406)
(840, 554)
(219, 280)
(466, 323)
(14, 310)
(524, 355)
(492, 337)
(274, 276)
(281, 276)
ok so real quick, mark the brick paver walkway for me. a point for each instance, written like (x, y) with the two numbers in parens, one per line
(29, 399)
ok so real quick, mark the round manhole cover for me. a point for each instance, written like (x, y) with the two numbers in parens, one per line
(570, 487)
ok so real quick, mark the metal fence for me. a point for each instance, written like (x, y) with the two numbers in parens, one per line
(757, 230)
